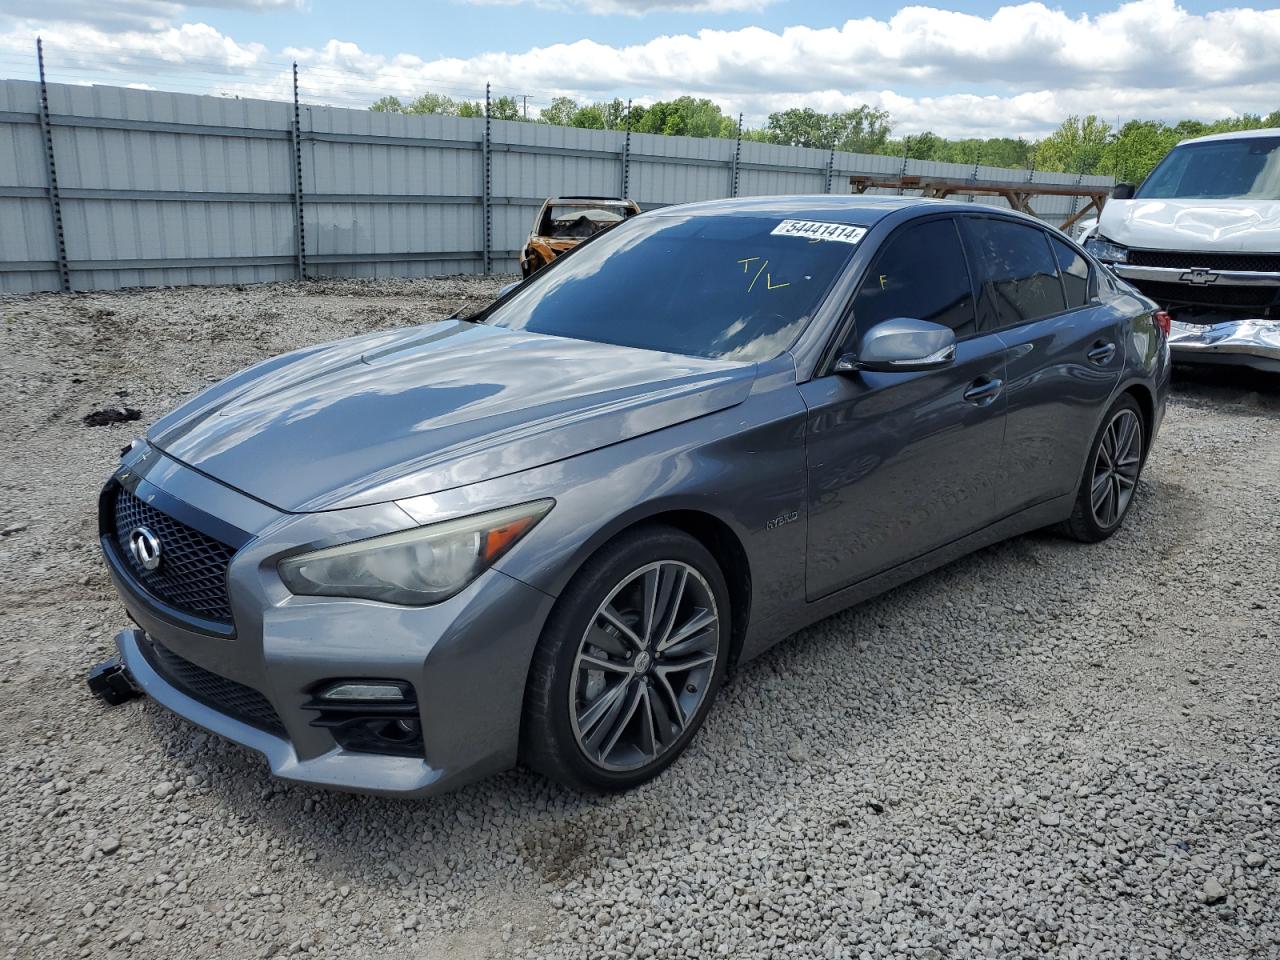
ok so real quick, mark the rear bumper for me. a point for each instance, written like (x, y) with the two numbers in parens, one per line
(1254, 343)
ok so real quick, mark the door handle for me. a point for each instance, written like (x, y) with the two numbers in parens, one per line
(983, 390)
(1101, 352)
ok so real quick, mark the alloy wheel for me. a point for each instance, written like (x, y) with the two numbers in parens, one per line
(1115, 468)
(644, 666)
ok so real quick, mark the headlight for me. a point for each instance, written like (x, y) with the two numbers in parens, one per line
(1104, 249)
(413, 567)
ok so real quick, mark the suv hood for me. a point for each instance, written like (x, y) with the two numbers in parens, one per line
(1202, 225)
(394, 415)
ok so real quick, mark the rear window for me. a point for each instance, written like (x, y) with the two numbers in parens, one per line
(732, 287)
(1019, 270)
(579, 221)
(1075, 273)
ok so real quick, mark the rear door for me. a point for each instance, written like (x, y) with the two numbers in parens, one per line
(1065, 353)
(902, 463)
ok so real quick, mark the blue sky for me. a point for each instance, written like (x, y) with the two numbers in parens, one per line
(450, 28)
(956, 67)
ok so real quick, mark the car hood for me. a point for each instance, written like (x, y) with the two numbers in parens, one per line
(1203, 225)
(394, 415)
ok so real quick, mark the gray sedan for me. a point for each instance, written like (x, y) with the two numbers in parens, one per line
(400, 562)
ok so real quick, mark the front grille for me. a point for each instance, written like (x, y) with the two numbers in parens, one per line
(1208, 295)
(226, 696)
(192, 575)
(1185, 260)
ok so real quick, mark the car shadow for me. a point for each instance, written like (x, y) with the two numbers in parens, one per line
(837, 687)
(1238, 390)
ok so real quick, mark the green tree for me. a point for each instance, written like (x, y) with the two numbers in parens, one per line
(614, 113)
(387, 105)
(433, 103)
(1077, 146)
(505, 108)
(1137, 147)
(590, 117)
(864, 129)
(686, 117)
(922, 146)
(559, 112)
(799, 127)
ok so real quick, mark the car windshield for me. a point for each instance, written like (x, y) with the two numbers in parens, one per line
(1243, 169)
(732, 287)
(579, 221)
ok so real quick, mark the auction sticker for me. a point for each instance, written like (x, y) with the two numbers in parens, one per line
(819, 230)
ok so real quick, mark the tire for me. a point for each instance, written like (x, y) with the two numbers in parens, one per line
(1108, 483)
(593, 729)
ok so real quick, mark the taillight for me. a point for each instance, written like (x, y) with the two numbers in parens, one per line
(1163, 321)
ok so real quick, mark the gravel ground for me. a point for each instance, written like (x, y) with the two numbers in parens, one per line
(1045, 749)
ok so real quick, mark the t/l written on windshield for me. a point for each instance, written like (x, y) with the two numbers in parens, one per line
(747, 263)
(820, 230)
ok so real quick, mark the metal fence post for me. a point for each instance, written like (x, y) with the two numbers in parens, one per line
(737, 155)
(487, 198)
(831, 167)
(300, 222)
(626, 155)
(1075, 201)
(55, 201)
(903, 172)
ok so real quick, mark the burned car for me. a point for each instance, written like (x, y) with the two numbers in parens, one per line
(564, 222)
(1201, 237)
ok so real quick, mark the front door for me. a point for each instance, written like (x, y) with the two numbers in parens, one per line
(902, 463)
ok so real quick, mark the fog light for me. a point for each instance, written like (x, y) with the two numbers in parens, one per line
(369, 716)
(365, 690)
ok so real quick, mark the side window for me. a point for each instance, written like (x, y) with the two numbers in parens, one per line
(1075, 273)
(1019, 272)
(919, 273)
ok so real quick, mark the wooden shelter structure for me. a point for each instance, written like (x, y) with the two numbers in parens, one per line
(1017, 193)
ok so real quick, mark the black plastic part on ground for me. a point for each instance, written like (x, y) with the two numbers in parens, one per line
(111, 682)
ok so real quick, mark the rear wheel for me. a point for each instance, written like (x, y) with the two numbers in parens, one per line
(1111, 474)
(629, 662)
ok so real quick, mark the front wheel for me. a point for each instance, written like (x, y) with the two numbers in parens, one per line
(1111, 474)
(629, 662)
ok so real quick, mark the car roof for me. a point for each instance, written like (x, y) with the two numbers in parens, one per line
(834, 208)
(1236, 135)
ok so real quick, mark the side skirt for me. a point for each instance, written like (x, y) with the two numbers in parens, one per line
(762, 636)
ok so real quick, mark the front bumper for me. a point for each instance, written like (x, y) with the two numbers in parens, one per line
(337, 768)
(1254, 343)
(466, 659)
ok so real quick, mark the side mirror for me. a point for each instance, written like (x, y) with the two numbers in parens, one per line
(902, 345)
(1122, 191)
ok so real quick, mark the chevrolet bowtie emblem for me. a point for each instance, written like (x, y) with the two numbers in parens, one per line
(1199, 275)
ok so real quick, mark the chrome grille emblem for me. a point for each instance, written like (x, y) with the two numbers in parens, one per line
(145, 547)
(1199, 276)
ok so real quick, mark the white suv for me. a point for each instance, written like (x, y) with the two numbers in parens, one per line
(1201, 237)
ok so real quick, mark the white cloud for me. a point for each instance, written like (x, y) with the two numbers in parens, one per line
(1019, 71)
